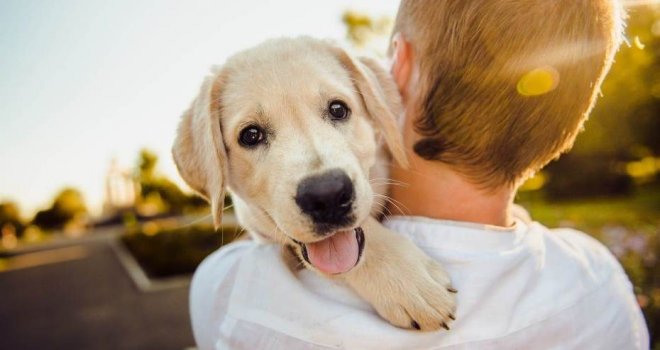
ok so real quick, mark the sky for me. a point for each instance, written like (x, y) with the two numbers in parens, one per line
(83, 82)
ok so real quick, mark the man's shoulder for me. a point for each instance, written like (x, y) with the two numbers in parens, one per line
(610, 292)
(222, 278)
(245, 292)
(221, 268)
(579, 249)
(232, 254)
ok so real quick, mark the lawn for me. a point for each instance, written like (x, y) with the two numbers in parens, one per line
(628, 226)
(640, 212)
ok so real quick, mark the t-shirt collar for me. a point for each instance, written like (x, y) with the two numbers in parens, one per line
(458, 235)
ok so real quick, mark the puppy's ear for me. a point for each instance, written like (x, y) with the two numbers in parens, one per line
(381, 98)
(199, 151)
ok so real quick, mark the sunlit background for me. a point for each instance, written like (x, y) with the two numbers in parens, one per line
(90, 201)
(85, 82)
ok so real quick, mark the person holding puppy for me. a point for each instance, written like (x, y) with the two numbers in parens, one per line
(493, 91)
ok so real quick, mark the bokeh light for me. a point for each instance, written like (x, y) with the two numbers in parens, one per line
(539, 81)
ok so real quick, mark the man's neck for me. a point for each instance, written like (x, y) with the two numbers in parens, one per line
(433, 190)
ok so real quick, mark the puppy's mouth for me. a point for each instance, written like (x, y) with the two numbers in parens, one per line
(336, 254)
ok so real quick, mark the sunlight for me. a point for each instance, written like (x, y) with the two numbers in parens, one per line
(637, 3)
(538, 81)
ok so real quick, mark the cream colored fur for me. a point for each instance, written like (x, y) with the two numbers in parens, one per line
(285, 84)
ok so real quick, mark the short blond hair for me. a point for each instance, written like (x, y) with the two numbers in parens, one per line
(474, 56)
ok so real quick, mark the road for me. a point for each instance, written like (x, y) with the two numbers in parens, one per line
(80, 297)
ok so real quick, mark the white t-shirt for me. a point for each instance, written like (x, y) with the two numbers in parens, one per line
(527, 287)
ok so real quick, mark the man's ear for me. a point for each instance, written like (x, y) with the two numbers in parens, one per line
(380, 97)
(199, 151)
(402, 63)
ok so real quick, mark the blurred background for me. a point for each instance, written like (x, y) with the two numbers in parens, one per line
(99, 236)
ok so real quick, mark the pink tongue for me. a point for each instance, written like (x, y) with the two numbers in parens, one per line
(335, 254)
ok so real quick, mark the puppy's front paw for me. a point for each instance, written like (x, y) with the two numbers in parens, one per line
(418, 297)
(403, 284)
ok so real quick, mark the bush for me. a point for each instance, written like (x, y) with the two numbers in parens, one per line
(574, 176)
(68, 206)
(10, 217)
(176, 251)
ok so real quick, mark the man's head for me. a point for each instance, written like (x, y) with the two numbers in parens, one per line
(497, 89)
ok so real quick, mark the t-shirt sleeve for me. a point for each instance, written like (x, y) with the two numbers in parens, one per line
(622, 299)
(209, 290)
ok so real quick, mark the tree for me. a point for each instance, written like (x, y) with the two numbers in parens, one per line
(68, 206)
(367, 33)
(160, 193)
(614, 127)
(147, 165)
(10, 217)
(623, 126)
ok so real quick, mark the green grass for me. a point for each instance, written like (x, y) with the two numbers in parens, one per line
(629, 226)
(640, 211)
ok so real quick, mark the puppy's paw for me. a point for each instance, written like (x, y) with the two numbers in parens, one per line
(418, 297)
(402, 283)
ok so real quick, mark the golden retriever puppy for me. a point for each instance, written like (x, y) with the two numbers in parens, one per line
(293, 129)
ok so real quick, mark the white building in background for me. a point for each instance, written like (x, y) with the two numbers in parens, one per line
(120, 189)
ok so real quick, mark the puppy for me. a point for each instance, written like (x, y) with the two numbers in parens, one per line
(293, 129)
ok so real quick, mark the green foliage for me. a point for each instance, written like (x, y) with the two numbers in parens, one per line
(147, 165)
(67, 206)
(10, 215)
(159, 191)
(580, 176)
(363, 30)
(625, 123)
(176, 251)
(634, 80)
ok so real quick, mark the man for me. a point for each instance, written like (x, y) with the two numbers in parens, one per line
(493, 91)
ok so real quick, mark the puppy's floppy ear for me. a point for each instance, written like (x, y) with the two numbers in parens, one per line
(381, 98)
(199, 151)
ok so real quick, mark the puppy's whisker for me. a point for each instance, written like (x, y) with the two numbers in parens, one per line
(388, 181)
(239, 233)
(280, 236)
(383, 204)
(228, 207)
(396, 204)
(384, 178)
(388, 184)
(382, 207)
(195, 222)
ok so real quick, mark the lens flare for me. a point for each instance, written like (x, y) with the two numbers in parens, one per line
(538, 82)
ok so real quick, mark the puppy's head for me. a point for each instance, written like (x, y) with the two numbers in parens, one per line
(291, 127)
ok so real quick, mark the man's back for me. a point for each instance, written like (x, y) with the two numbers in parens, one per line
(527, 287)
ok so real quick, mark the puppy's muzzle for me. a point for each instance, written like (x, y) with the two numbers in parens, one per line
(327, 199)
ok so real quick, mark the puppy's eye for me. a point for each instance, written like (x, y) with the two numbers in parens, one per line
(251, 136)
(338, 110)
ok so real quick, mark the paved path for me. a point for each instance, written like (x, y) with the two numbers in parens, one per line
(80, 297)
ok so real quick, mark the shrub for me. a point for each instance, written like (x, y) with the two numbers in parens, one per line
(176, 251)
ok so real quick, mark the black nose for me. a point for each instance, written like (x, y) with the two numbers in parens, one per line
(327, 198)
